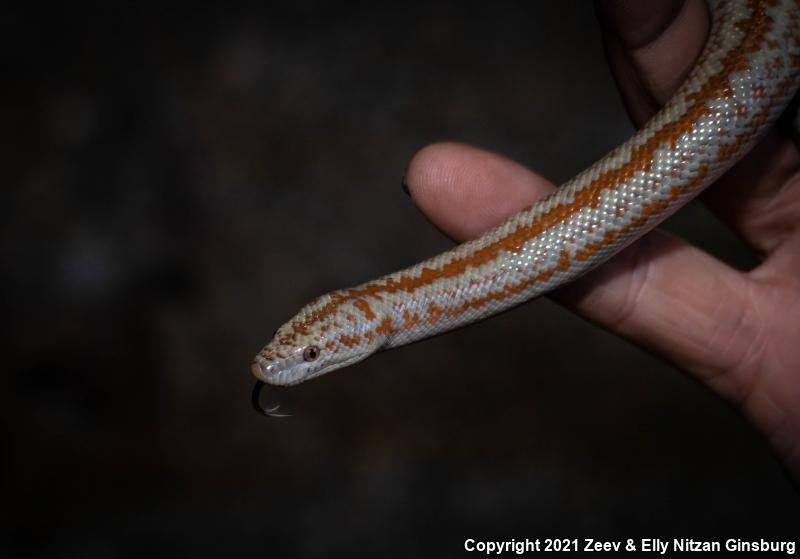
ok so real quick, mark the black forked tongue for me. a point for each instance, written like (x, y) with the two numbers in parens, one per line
(270, 410)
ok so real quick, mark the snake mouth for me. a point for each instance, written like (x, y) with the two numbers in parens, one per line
(270, 373)
(265, 371)
(257, 371)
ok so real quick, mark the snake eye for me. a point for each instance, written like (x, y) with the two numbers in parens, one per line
(311, 353)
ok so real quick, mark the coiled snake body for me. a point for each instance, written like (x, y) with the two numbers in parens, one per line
(745, 77)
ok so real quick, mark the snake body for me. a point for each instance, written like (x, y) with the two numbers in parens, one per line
(747, 74)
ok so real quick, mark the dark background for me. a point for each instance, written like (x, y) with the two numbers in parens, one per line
(179, 182)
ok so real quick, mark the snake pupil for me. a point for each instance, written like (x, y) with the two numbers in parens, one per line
(310, 353)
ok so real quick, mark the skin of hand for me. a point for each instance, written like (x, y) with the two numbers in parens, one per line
(738, 332)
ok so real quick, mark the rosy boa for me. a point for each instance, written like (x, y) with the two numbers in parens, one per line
(745, 77)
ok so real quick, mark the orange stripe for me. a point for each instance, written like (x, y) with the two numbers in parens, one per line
(433, 313)
(349, 341)
(610, 237)
(561, 266)
(409, 320)
(589, 196)
(364, 307)
(385, 327)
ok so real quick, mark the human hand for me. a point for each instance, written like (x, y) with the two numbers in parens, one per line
(737, 332)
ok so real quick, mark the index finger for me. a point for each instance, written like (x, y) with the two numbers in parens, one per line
(651, 48)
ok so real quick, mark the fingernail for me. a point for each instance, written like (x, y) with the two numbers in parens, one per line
(405, 186)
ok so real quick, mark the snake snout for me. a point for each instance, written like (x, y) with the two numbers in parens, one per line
(263, 370)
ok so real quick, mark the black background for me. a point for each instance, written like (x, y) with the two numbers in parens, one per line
(180, 181)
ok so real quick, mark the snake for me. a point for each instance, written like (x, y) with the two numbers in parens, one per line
(746, 75)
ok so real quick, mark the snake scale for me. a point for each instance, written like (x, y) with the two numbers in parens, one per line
(746, 75)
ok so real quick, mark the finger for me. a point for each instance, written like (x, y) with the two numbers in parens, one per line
(760, 197)
(464, 190)
(661, 293)
(678, 301)
(783, 262)
(651, 49)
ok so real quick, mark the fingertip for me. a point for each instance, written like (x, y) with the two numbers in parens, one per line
(652, 48)
(465, 190)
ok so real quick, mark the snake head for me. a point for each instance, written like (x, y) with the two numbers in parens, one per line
(331, 332)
